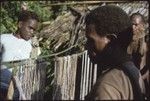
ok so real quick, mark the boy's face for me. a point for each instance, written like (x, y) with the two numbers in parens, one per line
(27, 28)
(95, 43)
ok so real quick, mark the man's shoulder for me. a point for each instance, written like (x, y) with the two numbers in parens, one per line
(5, 38)
(114, 77)
(115, 72)
(112, 84)
(6, 35)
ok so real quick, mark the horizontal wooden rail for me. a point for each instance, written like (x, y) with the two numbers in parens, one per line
(85, 2)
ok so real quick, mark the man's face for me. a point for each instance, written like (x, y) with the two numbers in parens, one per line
(27, 28)
(95, 43)
(138, 26)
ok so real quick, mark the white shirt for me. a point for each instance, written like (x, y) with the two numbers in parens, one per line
(15, 48)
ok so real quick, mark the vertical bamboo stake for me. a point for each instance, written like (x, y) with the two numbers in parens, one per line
(87, 75)
(95, 74)
(85, 70)
(82, 78)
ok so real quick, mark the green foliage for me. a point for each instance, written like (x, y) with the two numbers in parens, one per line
(8, 18)
(10, 10)
(43, 13)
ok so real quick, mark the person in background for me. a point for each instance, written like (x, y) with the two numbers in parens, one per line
(138, 47)
(109, 32)
(17, 46)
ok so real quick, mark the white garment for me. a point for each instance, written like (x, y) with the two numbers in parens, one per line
(15, 48)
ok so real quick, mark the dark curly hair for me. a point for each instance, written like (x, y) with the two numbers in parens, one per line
(111, 19)
(26, 15)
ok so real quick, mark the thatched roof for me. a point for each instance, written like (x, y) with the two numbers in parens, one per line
(62, 30)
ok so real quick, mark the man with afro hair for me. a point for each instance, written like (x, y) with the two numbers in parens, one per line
(108, 33)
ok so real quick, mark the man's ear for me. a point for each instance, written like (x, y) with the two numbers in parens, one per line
(19, 24)
(111, 37)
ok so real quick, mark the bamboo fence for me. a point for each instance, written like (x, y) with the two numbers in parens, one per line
(74, 77)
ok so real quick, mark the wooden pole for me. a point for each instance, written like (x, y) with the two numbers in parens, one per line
(85, 2)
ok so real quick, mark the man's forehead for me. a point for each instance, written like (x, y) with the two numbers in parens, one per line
(136, 19)
(31, 22)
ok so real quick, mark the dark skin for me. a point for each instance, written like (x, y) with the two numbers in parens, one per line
(95, 42)
(26, 29)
